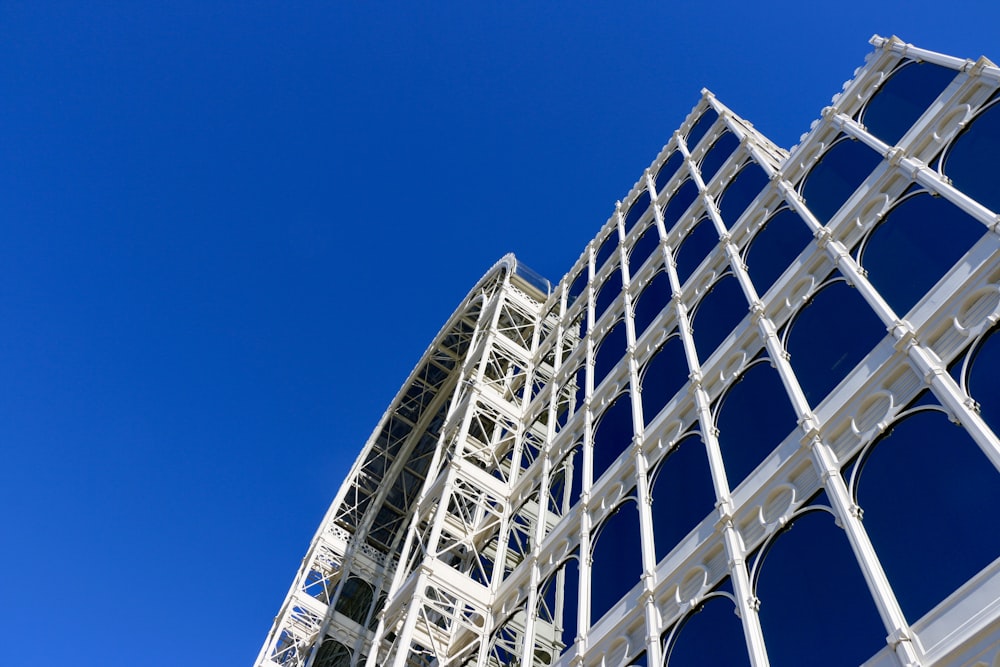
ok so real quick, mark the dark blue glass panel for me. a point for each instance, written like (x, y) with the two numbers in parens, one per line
(983, 385)
(640, 661)
(651, 302)
(617, 560)
(577, 287)
(694, 248)
(757, 398)
(743, 190)
(837, 175)
(613, 433)
(774, 248)
(700, 128)
(662, 376)
(834, 332)
(610, 352)
(679, 202)
(717, 155)
(800, 605)
(717, 315)
(916, 244)
(571, 587)
(643, 247)
(668, 170)
(636, 210)
(973, 149)
(683, 494)
(712, 637)
(609, 291)
(606, 250)
(929, 471)
(903, 98)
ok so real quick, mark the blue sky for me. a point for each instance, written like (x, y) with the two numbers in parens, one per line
(229, 230)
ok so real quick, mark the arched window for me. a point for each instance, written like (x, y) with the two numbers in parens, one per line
(355, 600)
(757, 399)
(668, 170)
(694, 248)
(903, 98)
(982, 381)
(678, 203)
(332, 653)
(978, 145)
(613, 433)
(617, 558)
(933, 469)
(907, 253)
(567, 580)
(606, 249)
(717, 314)
(740, 192)
(717, 155)
(609, 291)
(832, 181)
(808, 583)
(651, 301)
(683, 494)
(829, 336)
(663, 376)
(643, 247)
(774, 247)
(711, 634)
(701, 126)
(610, 352)
(576, 287)
(635, 211)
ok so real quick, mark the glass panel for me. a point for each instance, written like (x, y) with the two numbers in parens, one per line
(617, 559)
(668, 169)
(795, 622)
(834, 332)
(903, 98)
(758, 397)
(664, 374)
(740, 192)
(643, 247)
(928, 472)
(577, 287)
(567, 580)
(694, 248)
(775, 247)
(717, 155)
(637, 209)
(355, 600)
(973, 149)
(612, 434)
(607, 249)
(682, 492)
(610, 352)
(712, 636)
(983, 385)
(700, 128)
(332, 653)
(838, 174)
(717, 315)
(916, 244)
(679, 202)
(651, 302)
(610, 290)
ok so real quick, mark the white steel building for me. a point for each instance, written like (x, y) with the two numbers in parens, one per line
(755, 423)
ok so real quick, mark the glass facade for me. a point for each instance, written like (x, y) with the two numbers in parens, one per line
(755, 423)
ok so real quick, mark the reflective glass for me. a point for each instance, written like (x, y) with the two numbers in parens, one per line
(774, 247)
(668, 169)
(757, 398)
(838, 174)
(636, 210)
(718, 313)
(700, 128)
(915, 245)
(717, 155)
(610, 352)
(903, 98)
(743, 190)
(609, 291)
(613, 433)
(681, 200)
(983, 385)
(606, 250)
(651, 302)
(617, 562)
(643, 247)
(712, 636)
(694, 248)
(577, 287)
(973, 149)
(834, 332)
(663, 375)
(682, 492)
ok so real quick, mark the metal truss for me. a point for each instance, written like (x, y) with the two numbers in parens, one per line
(448, 543)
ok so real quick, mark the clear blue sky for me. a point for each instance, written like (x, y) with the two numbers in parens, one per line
(229, 230)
